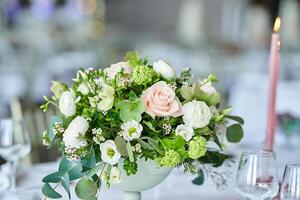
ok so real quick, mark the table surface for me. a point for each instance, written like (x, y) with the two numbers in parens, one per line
(177, 186)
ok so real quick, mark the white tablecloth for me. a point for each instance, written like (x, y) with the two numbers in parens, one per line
(177, 186)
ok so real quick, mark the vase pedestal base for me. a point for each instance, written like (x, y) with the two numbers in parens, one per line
(132, 196)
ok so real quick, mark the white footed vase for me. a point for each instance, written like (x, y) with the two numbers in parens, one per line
(148, 176)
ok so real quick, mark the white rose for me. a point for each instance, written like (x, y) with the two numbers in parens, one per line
(208, 88)
(109, 152)
(77, 127)
(185, 131)
(196, 114)
(83, 88)
(67, 104)
(115, 175)
(164, 69)
(131, 130)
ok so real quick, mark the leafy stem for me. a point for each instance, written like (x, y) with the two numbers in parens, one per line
(99, 178)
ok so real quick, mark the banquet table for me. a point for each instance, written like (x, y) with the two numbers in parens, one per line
(177, 186)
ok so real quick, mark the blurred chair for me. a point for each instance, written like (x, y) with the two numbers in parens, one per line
(37, 122)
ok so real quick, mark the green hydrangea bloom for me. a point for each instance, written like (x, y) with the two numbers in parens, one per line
(142, 75)
(171, 159)
(197, 147)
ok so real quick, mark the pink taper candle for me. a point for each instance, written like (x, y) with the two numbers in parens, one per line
(274, 61)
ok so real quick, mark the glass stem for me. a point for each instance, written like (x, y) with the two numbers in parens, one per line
(13, 175)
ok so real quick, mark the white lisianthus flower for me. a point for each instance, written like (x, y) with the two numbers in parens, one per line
(131, 130)
(83, 88)
(207, 87)
(77, 127)
(185, 131)
(104, 100)
(109, 152)
(67, 103)
(107, 97)
(196, 114)
(115, 175)
(164, 69)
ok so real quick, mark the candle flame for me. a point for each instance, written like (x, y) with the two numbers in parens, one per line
(277, 25)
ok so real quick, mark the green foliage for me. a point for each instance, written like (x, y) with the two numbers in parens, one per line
(130, 167)
(235, 118)
(49, 192)
(94, 170)
(68, 171)
(176, 142)
(199, 180)
(86, 189)
(234, 133)
(72, 168)
(131, 110)
(133, 58)
(215, 158)
(51, 135)
(186, 74)
(121, 146)
(90, 160)
(150, 126)
(129, 152)
(154, 144)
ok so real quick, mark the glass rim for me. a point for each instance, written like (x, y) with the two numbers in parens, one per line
(259, 152)
(292, 166)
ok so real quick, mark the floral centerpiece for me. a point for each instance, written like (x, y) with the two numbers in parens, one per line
(134, 110)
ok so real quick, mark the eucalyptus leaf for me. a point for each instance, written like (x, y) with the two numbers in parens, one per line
(200, 179)
(66, 184)
(234, 133)
(154, 144)
(94, 170)
(73, 168)
(129, 151)
(90, 160)
(59, 177)
(86, 189)
(121, 146)
(144, 144)
(235, 118)
(50, 133)
(49, 192)
(53, 177)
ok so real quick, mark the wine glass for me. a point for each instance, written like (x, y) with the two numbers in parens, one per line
(14, 145)
(290, 189)
(257, 175)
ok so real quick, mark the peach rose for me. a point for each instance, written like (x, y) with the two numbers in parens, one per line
(115, 68)
(160, 100)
